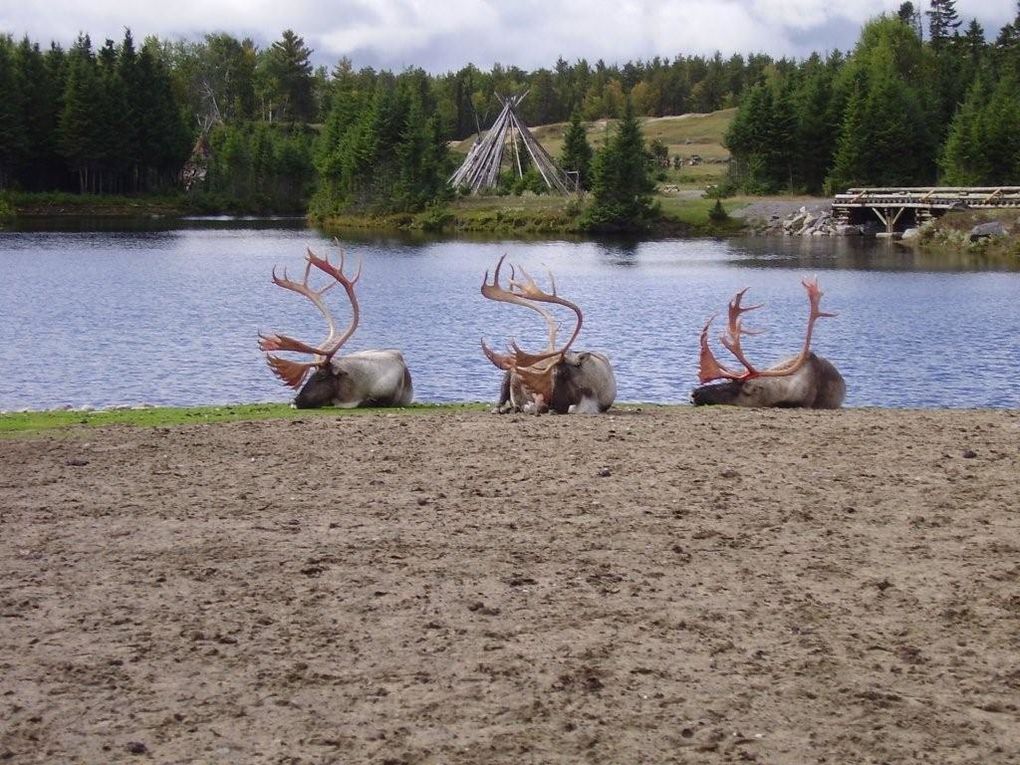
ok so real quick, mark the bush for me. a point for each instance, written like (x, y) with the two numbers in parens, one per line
(435, 219)
(6, 210)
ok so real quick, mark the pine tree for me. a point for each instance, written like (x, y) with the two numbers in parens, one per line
(577, 152)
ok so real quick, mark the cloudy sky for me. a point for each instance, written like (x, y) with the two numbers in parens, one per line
(442, 36)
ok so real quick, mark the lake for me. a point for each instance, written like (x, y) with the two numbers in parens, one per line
(168, 312)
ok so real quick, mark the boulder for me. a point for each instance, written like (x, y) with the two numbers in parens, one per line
(986, 230)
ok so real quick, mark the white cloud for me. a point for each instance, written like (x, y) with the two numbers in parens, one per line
(528, 33)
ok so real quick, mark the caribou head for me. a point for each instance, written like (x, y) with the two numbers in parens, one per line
(365, 378)
(806, 380)
(556, 378)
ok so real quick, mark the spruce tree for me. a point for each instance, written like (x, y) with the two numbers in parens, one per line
(289, 72)
(80, 132)
(1002, 139)
(42, 169)
(577, 152)
(943, 21)
(964, 160)
(816, 133)
(910, 15)
(749, 140)
(621, 185)
(13, 140)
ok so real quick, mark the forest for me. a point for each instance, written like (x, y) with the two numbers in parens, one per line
(922, 98)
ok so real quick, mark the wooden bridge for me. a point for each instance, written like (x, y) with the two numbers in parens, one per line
(923, 203)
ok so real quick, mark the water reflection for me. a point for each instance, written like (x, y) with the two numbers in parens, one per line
(169, 313)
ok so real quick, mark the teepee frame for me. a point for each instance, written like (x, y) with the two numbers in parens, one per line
(480, 170)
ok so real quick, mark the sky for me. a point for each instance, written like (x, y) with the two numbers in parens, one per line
(445, 36)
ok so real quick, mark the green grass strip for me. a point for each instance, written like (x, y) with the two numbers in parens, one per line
(20, 423)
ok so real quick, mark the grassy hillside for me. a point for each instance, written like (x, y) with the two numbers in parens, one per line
(686, 135)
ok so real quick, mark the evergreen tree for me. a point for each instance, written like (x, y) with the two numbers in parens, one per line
(422, 155)
(1001, 136)
(1007, 45)
(964, 160)
(621, 185)
(164, 137)
(42, 168)
(782, 138)
(943, 22)
(288, 71)
(884, 139)
(577, 152)
(13, 139)
(80, 131)
(748, 140)
(816, 128)
(127, 73)
(910, 15)
(850, 166)
(115, 122)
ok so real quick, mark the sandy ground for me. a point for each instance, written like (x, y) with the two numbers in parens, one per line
(647, 586)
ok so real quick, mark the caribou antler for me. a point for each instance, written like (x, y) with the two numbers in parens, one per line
(527, 288)
(495, 292)
(294, 372)
(709, 367)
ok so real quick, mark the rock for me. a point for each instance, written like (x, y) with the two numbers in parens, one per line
(986, 230)
(911, 233)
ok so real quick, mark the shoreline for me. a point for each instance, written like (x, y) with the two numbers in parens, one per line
(28, 422)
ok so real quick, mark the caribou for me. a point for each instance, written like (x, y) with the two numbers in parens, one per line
(556, 379)
(805, 380)
(364, 378)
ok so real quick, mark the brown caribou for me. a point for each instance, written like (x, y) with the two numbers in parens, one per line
(364, 378)
(556, 379)
(805, 380)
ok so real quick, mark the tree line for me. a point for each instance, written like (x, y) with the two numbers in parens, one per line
(920, 99)
(122, 119)
(913, 104)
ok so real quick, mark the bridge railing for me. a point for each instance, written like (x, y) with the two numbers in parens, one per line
(939, 197)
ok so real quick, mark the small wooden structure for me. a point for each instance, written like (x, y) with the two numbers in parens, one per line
(480, 170)
(920, 203)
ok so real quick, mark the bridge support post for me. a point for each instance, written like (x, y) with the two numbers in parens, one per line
(888, 220)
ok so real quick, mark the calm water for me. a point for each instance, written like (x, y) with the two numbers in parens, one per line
(169, 314)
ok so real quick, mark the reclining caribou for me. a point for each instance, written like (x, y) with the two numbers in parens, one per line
(364, 378)
(806, 380)
(556, 379)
